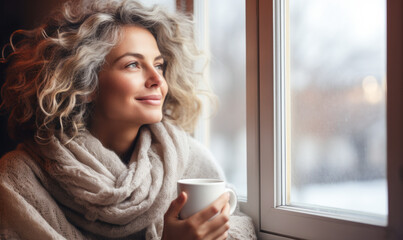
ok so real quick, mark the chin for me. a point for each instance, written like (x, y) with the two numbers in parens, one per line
(156, 119)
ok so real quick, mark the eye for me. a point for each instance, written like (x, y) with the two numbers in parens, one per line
(160, 67)
(132, 65)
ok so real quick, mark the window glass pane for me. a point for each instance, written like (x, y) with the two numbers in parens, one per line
(337, 85)
(227, 77)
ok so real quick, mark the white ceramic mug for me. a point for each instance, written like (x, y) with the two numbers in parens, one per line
(202, 192)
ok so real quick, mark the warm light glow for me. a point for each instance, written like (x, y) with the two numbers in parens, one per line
(373, 92)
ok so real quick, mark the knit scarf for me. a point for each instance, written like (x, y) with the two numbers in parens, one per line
(104, 196)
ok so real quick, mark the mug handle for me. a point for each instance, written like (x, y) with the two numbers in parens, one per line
(233, 200)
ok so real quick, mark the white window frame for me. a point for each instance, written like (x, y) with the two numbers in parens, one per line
(278, 222)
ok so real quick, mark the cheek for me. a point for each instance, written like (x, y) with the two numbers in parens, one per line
(119, 87)
(115, 95)
(164, 88)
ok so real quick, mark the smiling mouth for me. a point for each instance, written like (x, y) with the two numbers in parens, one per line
(154, 100)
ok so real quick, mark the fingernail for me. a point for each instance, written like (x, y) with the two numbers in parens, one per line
(183, 196)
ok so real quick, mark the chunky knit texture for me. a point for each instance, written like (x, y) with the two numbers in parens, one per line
(82, 190)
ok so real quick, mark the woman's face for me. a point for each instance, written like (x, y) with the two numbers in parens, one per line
(132, 87)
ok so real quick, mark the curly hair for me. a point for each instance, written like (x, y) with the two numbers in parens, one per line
(53, 69)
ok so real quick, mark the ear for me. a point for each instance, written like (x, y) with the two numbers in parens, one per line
(90, 97)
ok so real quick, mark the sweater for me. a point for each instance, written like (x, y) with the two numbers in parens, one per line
(79, 189)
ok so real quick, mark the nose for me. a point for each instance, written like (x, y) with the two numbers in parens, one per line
(154, 78)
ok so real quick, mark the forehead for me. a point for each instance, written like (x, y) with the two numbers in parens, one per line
(135, 39)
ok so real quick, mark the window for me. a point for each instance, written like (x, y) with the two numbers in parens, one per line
(334, 94)
(278, 213)
(221, 33)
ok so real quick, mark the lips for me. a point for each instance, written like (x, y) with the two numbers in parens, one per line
(154, 100)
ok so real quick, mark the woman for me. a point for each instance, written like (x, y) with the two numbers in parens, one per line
(101, 98)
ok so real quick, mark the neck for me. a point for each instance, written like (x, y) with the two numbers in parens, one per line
(116, 137)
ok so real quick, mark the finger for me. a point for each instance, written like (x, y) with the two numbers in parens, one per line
(226, 209)
(176, 205)
(218, 221)
(217, 226)
(214, 208)
(220, 232)
(224, 236)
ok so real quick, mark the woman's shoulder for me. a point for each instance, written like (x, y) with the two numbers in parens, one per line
(15, 163)
(187, 140)
(16, 155)
(203, 164)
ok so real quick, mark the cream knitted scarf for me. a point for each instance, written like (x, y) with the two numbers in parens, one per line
(100, 194)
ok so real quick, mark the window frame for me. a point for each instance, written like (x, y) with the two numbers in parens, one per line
(274, 222)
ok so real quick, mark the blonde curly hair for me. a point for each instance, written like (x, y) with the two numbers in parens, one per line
(53, 70)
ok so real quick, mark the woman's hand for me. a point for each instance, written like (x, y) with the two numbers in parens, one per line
(197, 226)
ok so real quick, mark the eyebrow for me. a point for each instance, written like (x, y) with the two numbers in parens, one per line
(137, 55)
